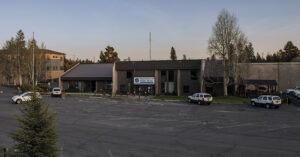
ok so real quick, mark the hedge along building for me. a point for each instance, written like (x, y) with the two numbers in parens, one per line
(163, 77)
(88, 78)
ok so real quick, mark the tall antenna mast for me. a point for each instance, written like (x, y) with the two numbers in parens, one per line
(150, 45)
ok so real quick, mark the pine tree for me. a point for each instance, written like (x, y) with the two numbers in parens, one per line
(183, 57)
(109, 56)
(173, 54)
(258, 57)
(36, 135)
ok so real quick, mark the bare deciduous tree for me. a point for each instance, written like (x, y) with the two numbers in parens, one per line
(226, 43)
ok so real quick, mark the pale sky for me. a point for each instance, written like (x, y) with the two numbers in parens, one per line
(81, 28)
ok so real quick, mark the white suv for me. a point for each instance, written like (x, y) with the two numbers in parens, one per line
(267, 101)
(27, 96)
(201, 98)
(56, 92)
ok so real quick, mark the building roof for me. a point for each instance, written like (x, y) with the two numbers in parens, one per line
(53, 52)
(260, 82)
(44, 50)
(89, 72)
(158, 65)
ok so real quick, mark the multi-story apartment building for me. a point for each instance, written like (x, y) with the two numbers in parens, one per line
(51, 71)
(55, 65)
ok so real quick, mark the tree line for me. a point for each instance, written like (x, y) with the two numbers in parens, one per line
(16, 60)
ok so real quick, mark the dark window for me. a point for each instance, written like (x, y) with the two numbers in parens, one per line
(265, 98)
(171, 76)
(48, 68)
(122, 88)
(162, 87)
(186, 89)
(129, 74)
(194, 75)
(163, 76)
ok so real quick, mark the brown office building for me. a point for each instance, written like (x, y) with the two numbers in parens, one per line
(163, 77)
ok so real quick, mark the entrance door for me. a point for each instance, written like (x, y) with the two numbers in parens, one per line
(145, 89)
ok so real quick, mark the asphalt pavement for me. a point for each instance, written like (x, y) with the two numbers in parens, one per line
(122, 127)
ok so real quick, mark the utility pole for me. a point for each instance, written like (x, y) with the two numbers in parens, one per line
(33, 83)
(150, 45)
(19, 66)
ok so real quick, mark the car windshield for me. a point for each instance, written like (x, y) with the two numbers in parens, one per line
(276, 98)
(56, 89)
(26, 93)
(260, 97)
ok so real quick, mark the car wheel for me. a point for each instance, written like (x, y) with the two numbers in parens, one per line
(19, 101)
(268, 106)
(199, 102)
(208, 103)
(253, 103)
(190, 101)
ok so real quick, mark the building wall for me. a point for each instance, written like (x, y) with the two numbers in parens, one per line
(55, 65)
(287, 74)
(182, 78)
(125, 84)
(194, 85)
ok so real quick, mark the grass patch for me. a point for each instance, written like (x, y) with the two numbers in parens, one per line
(118, 96)
(232, 99)
(180, 98)
(80, 95)
(93, 95)
(229, 99)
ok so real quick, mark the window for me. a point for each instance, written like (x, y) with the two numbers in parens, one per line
(265, 98)
(269, 98)
(171, 76)
(162, 87)
(123, 89)
(129, 74)
(194, 75)
(48, 68)
(163, 76)
(260, 97)
(207, 96)
(186, 89)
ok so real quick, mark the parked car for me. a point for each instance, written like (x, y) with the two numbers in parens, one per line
(295, 92)
(27, 96)
(267, 101)
(56, 92)
(201, 98)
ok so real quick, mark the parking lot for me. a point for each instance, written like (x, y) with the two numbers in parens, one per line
(122, 127)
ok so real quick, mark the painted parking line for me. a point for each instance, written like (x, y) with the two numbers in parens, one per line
(236, 125)
(281, 128)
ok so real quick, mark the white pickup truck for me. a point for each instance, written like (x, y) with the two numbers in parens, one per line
(295, 92)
